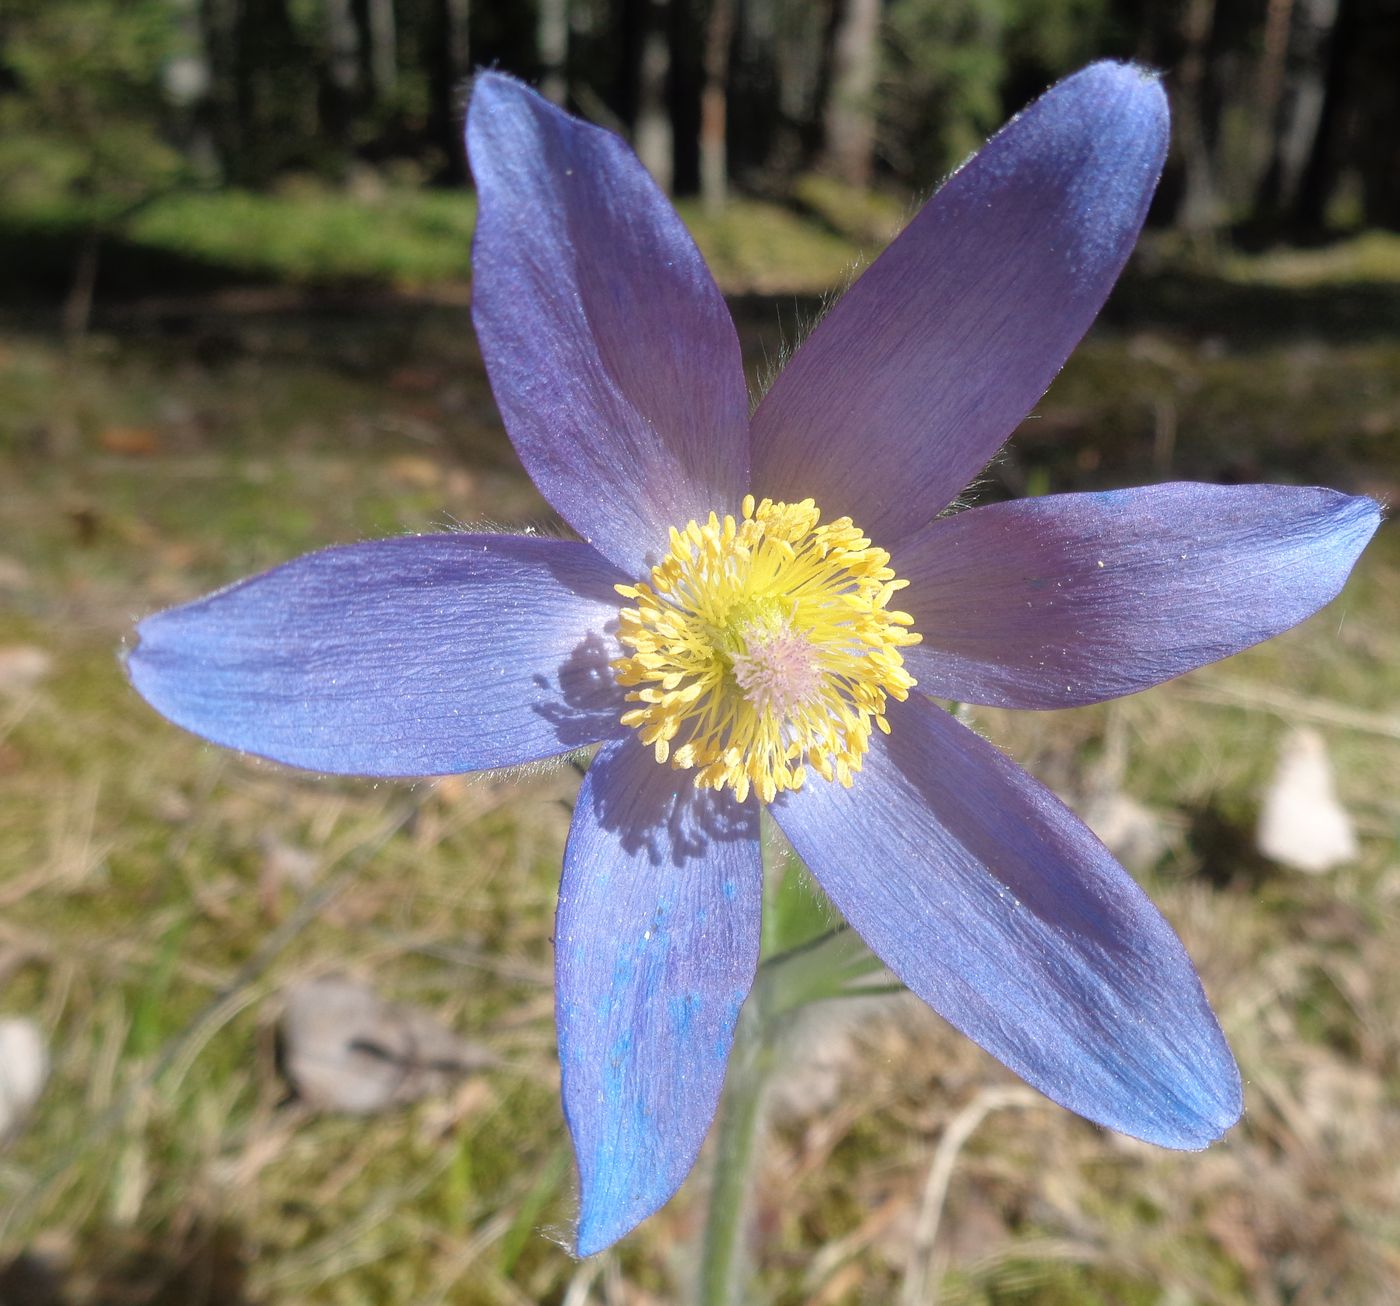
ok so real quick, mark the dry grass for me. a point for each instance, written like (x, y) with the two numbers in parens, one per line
(157, 894)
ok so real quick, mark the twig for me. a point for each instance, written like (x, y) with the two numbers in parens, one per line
(581, 1285)
(1224, 691)
(920, 1287)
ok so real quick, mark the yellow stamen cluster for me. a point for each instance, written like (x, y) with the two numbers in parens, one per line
(764, 646)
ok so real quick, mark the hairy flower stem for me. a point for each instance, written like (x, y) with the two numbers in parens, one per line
(724, 1260)
(827, 967)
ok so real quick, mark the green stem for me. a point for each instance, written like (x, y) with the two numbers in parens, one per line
(825, 968)
(724, 1264)
(837, 964)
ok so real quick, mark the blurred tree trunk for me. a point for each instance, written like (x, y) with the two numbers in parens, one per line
(264, 110)
(848, 149)
(714, 105)
(552, 42)
(383, 48)
(342, 64)
(1278, 21)
(189, 86)
(1309, 82)
(804, 95)
(1199, 211)
(448, 59)
(1356, 141)
(1370, 45)
(216, 22)
(651, 125)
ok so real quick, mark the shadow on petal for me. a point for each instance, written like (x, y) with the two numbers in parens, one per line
(663, 816)
(584, 700)
(1033, 858)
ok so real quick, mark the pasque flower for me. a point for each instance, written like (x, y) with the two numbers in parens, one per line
(761, 609)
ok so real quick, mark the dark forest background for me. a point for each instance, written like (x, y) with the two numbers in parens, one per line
(1287, 111)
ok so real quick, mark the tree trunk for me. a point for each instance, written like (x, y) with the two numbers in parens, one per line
(651, 130)
(1278, 21)
(190, 89)
(552, 44)
(266, 98)
(220, 37)
(457, 21)
(1375, 89)
(1337, 76)
(1307, 95)
(1200, 202)
(849, 120)
(342, 64)
(714, 106)
(383, 48)
(446, 53)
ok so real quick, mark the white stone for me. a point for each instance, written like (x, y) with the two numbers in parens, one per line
(1301, 824)
(24, 1068)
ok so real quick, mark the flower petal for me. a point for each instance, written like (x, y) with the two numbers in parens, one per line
(999, 908)
(610, 350)
(907, 387)
(424, 655)
(656, 945)
(1075, 598)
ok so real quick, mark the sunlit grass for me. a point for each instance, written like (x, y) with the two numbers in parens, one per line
(382, 232)
(418, 239)
(309, 233)
(1372, 258)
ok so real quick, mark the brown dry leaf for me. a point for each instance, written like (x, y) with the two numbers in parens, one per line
(14, 575)
(415, 380)
(415, 472)
(130, 441)
(1233, 1222)
(461, 484)
(22, 667)
(283, 866)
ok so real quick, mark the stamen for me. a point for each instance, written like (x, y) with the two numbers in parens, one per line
(762, 647)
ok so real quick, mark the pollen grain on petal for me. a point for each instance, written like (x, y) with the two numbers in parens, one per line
(762, 648)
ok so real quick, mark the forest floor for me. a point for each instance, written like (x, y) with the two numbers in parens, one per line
(158, 895)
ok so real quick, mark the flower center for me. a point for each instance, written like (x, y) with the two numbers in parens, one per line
(764, 646)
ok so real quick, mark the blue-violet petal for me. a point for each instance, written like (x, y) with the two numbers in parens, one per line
(998, 907)
(656, 944)
(906, 389)
(423, 655)
(610, 350)
(1076, 598)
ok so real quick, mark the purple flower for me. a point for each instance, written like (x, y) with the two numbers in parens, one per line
(729, 651)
